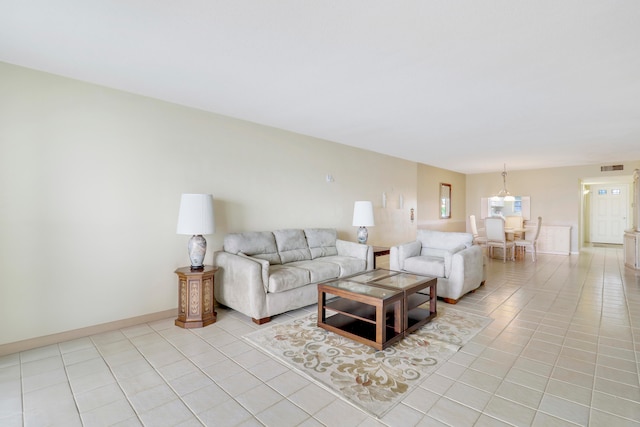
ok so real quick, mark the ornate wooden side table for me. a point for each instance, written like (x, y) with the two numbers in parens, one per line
(196, 302)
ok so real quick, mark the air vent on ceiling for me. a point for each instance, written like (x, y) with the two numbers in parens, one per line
(611, 168)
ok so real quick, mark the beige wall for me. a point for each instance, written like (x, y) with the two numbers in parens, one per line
(429, 179)
(90, 182)
(556, 193)
(91, 179)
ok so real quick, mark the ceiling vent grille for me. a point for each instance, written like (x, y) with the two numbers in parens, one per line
(611, 168)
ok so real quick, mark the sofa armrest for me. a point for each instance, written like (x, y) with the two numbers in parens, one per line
(355, 250)
(264, 267)
(401, 252)
(241, 281)
(352, 249)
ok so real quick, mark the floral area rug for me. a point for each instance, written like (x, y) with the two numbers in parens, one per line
(375, 381)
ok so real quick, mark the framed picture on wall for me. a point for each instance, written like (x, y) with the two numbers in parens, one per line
(445, 201)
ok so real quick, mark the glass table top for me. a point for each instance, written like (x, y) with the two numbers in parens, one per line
(379, 283)
(362, 289)
(401, 280)
(370, 276)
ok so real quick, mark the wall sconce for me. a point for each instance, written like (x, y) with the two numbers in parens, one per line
(412, 218)
(384, 199)
(401, 202)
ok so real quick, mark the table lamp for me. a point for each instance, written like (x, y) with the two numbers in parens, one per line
(196, 218)
(363, 218)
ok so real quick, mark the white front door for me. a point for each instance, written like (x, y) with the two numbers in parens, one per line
(609, 210)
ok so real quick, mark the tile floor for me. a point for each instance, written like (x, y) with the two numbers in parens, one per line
(563, 350)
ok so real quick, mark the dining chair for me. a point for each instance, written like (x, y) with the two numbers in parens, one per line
(477, 238)
(497, 238)
(532, 244)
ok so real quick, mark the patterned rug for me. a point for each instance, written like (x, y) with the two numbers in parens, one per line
(374, 381)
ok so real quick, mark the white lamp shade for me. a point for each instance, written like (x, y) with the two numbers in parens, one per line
(196, 214)
(363, 214)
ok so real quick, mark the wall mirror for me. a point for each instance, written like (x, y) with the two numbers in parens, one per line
(521, 206)
(445, 201)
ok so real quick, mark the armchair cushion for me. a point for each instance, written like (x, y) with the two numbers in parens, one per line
(434, 252)
(446, 240)
(426, 265)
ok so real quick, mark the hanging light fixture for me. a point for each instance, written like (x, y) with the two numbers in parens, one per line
(504, 193)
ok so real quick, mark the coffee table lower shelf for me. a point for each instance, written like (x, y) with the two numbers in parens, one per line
(416, 315)
(376, 322)
(360, 331)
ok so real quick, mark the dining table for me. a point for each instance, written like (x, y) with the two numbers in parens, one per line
(511, 232)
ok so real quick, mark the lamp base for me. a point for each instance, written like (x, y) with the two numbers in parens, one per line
(197, 248)
(363, 235)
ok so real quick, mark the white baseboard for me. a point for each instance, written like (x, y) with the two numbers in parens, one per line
(18, 346)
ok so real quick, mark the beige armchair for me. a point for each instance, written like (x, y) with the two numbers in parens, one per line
(449, 256)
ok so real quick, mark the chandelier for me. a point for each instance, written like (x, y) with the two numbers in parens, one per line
(504, 193)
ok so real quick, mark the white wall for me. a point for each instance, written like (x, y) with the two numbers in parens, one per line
(90, 182)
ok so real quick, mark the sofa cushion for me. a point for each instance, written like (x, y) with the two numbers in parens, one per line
(348, 265)
(292, 245)
(318, 270)
(285, 277)
(426, 265)
(257, 244)
(321, 241)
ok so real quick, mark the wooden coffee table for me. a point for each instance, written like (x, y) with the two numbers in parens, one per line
(378, 307)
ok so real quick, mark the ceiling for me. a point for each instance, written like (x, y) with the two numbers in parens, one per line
(464, 85)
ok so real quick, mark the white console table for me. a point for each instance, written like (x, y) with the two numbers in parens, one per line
(632, 249)
(554, 239)
(632, 236)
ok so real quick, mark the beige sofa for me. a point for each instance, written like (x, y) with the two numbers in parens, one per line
(262, 274)
(449, 256)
